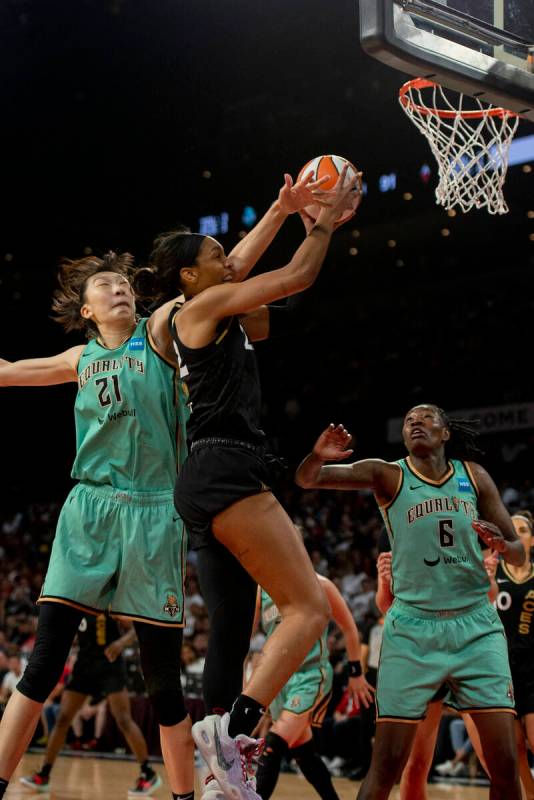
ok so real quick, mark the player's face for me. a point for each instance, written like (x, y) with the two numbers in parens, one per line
(423, 430)
(213, 264)
(522, 528)
(109, 298)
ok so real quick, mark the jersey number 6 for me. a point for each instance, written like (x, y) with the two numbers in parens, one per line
(446, 532)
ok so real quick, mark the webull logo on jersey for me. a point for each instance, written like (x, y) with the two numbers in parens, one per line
(137, 344)
(437, 505)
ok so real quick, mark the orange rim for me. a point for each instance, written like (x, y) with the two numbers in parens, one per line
(424, 83)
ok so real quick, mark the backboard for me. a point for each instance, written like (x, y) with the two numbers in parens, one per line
(483, 48)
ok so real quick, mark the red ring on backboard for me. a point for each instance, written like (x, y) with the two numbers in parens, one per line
(424, 83)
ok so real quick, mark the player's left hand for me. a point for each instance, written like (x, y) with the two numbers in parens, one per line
(293, 197)
(361, 691)
(490, 564)
(113, 651)
(490, 535)
(333, 443)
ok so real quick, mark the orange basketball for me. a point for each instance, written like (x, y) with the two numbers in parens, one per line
(319, 167)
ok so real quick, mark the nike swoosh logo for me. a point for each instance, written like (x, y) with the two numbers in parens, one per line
(419, 486)
(221, 761)
(502, 580)
(432, 563)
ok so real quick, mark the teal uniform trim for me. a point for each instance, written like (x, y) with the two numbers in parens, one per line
(309, 688)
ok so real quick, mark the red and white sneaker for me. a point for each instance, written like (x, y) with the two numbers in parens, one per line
(145, 786)
(37, 782)
(230, 760)
(212, 790)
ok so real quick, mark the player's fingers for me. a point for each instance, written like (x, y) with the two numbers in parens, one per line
(319, 182)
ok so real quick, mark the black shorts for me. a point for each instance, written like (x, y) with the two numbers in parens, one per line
(215, 476)
(523, 681)
(98, 679)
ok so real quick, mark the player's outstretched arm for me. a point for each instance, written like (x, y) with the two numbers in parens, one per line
(292, 198)
(361, 691)
(228, 299)
(495, 527)
(50, 371)
(332, 445)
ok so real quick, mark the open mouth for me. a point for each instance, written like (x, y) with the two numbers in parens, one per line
(417, 433)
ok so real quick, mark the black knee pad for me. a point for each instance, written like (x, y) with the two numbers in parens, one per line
(55, 633)
(160, 659)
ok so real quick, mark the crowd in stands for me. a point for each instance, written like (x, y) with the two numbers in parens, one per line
(341, 531)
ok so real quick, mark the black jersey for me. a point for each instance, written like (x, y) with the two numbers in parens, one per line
(515, 604)
(94, 635)
(224, 386)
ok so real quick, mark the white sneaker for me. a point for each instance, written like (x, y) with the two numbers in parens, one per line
(228, 759)
(445, 768)
(212, 791)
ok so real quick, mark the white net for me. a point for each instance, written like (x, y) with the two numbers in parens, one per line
(470, 144)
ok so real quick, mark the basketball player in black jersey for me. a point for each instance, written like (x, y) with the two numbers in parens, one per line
(223, 493)
(99, 671)
(515, 604)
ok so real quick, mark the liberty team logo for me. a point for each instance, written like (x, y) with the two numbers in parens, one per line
(295, 701)
(171, 607)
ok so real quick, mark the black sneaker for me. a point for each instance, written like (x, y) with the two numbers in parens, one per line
(145, 785)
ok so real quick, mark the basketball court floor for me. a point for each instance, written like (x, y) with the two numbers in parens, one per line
(100, 779)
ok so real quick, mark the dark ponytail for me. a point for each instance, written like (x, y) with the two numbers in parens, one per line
(171, 251)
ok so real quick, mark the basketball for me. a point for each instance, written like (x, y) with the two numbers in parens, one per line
(319, 167)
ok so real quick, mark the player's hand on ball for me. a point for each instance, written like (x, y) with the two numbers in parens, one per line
(490, 535)
(294, 197)
(307, 220)
(353, 201)
(343, 199)
(332, 444)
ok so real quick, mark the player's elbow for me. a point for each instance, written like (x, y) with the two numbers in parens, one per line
(304, 482)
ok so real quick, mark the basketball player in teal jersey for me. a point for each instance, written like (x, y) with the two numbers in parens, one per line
(441, 629)
(302, 703)
(119, 543)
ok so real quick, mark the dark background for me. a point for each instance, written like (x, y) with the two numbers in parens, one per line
(113, 111)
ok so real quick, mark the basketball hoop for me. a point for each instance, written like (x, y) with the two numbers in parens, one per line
(471, 145)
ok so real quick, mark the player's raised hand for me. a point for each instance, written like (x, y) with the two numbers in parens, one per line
(344, 197)
(307, 220)
(361, 691)
(332, 444)
(294, 197)
(490, 535)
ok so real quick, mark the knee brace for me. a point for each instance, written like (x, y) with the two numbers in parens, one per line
(56, 630)
(160, 660)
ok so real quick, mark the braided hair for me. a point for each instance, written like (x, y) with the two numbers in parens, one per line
(464, 435)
